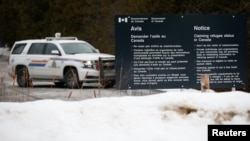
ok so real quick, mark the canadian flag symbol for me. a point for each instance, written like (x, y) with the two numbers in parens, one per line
(125, 20)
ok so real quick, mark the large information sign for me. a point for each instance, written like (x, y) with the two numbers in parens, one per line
(173, 51)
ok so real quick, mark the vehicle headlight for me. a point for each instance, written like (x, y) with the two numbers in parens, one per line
(88, 64)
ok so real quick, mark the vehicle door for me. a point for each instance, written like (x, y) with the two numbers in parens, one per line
(53, 66)
(37, 60)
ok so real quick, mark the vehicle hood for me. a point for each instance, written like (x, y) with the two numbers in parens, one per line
(89, 56)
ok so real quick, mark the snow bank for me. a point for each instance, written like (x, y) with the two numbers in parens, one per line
(169, 116)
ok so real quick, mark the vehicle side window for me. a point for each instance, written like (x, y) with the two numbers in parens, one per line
(36, 48)
(50, 47)
(18, 48)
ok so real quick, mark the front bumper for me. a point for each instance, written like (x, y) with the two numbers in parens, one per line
(93, 76)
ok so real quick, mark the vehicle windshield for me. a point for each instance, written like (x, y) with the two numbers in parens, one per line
(77, 48)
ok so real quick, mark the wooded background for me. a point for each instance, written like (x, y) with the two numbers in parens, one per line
(93, 20)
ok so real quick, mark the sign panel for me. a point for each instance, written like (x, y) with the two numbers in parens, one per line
(173, 51)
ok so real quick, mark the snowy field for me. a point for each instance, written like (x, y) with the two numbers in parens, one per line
(170, 116)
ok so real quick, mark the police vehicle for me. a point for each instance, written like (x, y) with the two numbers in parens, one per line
(61, 60)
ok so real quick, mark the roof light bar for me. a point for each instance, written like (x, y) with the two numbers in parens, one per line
(58, 37)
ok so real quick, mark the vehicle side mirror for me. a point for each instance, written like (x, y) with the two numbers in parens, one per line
(55, 52)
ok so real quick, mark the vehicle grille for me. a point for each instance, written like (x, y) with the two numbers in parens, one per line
(108, 64)
(105, 64)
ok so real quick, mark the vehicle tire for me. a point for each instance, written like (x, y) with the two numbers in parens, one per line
(23, 79)
(71, 79)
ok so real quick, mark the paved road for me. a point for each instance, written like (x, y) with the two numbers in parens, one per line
(10, 92)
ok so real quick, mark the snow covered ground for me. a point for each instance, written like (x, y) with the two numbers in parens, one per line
(4, 52)
(170, 116)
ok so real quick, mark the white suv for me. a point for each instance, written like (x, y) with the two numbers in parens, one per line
(62, 60)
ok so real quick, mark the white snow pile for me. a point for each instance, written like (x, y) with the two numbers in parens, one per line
(170, 116)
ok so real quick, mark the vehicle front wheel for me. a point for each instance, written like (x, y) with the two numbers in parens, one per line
(23, 79)
(71, 79)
